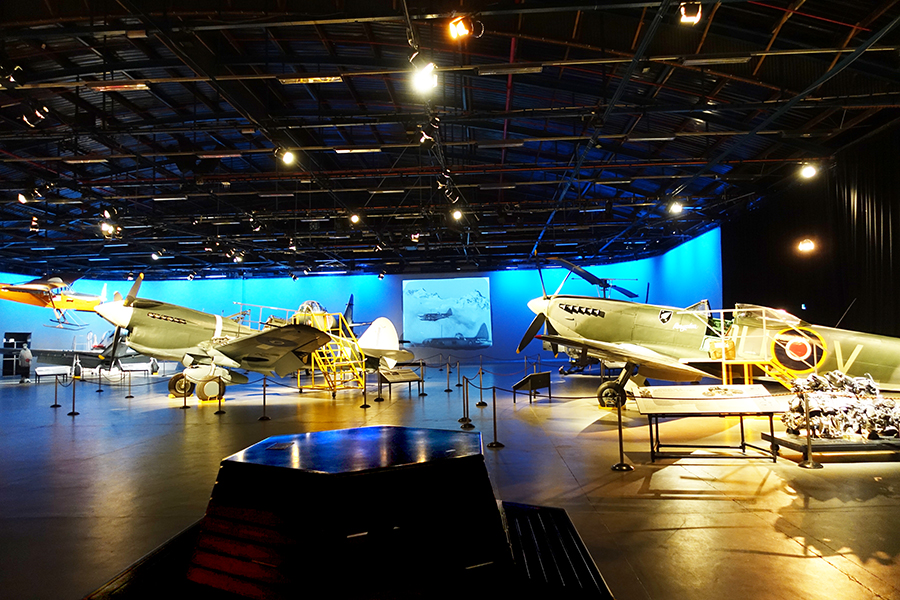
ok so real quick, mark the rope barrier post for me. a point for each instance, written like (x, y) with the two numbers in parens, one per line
(481, 403)
(465, 417)
(466, 421)
(129, 396)
(378, 398)
(365, 403)
(441, 361)
(495, 443)
(448, 390)
(423, 367)
(184, 395)
(808, 462)
(221, 411)
(56, 403)
(100, 380)
(538, 363)
(621, 466)
(74, 412)
(458, 375)
(264, 416)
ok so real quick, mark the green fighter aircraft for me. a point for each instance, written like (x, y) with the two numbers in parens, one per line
(684, 345)
(210, 347)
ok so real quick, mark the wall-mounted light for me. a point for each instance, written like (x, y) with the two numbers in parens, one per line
(690, 12)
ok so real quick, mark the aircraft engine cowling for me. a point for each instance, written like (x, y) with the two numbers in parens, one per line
(200, 373)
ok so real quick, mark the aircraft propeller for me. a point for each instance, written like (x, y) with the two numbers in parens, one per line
(128, 301)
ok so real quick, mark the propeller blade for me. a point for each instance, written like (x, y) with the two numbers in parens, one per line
(543, 289)
(624, 292)
(532, 330)
(132, 294)
(554, 347)
(111, 356)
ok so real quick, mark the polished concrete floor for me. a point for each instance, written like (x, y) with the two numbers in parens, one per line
(83, 497)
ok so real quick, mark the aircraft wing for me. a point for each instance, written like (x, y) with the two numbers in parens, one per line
(88, 359)
(277, 349)
(652, 364)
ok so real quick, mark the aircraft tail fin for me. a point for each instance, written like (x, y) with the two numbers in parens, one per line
(117, 297)
(348, 313)
(381, 340)
(103, 294)
(482, 333)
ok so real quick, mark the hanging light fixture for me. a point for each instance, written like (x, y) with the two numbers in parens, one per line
(465, 26)
(424, 76)
(286, 156)
(690, 12)
(808, 171)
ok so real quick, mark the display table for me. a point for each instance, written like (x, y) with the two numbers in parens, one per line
(724, 401)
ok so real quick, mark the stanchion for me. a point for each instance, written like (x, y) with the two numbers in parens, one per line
(448, 390)
(221, 411)
(99, 380)
(808, 462)
(129, 396)
(378, 398)
(465, 400)
(74, 412)
(481, 403)
(56, 403)
(365, 403)
(184, 395)
(458, 375)
(424, 367)
(495, 443)
(441, 361)
(621, 466)
(264, 416)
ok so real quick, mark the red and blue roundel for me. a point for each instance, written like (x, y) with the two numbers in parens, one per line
(800, 350)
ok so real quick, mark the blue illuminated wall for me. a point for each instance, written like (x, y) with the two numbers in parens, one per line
(681, 277)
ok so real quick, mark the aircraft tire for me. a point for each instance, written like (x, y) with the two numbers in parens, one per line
(210, 389)
(610, 394)
(179, 386)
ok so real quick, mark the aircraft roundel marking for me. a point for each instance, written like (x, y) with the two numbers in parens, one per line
(800, 350)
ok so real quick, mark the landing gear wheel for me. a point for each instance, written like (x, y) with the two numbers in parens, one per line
(180, 386)
(610, 394)
(211, 389)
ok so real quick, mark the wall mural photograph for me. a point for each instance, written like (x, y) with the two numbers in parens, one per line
(448, 313)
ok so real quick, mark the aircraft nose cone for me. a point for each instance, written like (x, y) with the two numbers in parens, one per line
(539, 305)
(115, 313)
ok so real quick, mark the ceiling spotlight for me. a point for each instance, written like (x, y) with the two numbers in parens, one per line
(462, 27)
(381, 275)
(23, 198)
(808, 171)
(156, 255)
(414, 237)
(675, 208)
(191, 275)
(293, 277)
(354, 219)
(286, 156)
(424, 77)
(690, 12)
(456, 214)
(426, 142)
(239, 257)
(35, 226)
(806, 246)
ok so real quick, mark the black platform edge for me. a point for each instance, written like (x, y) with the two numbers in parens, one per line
(159, 573)
(823, 445)
(549, 554)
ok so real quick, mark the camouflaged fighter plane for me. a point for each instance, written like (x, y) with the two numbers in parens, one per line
(683, 345)
(210, 347)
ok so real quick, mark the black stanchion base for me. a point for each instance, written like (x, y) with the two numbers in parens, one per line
(364, 406)
(467, 426)
(184, 406)
(622, 467)
(448, 390)
(73, 414)
(219, 412)
(264, 418)
(378, 399)
(129, 397)
(458, 385)
(810, 464)
(99, 391)
(56, 406)
(495, 445)
(422, 394)
(481, 404)
(464, 420)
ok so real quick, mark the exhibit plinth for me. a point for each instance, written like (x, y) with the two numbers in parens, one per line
(367, 512)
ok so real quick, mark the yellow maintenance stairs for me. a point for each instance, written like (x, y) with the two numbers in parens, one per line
(339, 364)
(722, 352)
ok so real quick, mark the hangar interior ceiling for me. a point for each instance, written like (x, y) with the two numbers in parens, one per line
(565, 129)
